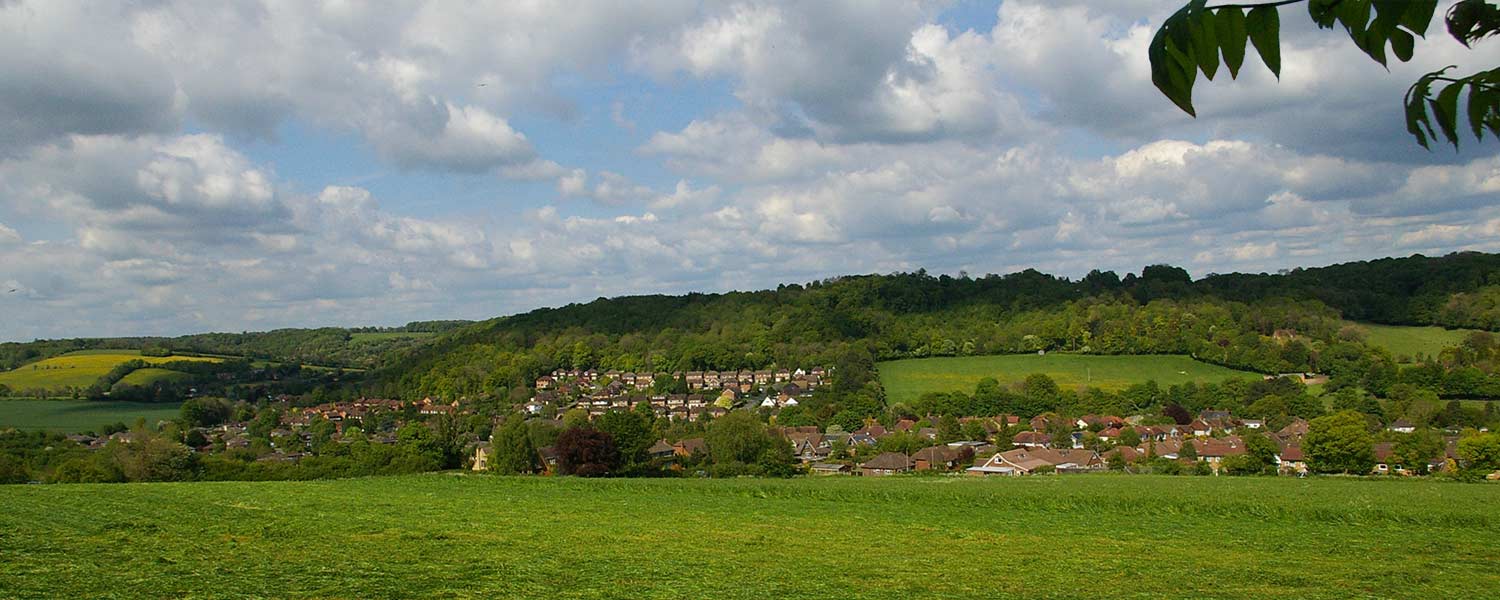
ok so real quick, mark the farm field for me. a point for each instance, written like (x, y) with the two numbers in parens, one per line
(76, 369)
(905, 380)
(71, 416)
(476, 536)
(1410, 341)
(151, 375)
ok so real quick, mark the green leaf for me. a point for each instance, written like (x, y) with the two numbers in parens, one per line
(1205, 43)
(1323, 12)
(1354, 14)
(1445, 108)
(1166, 73)
(1229, 28)
(1264, 26)
(1478, 108)
(1402, 44)
(1418, 15)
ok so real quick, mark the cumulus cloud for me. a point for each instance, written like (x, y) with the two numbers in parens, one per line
(849, 137)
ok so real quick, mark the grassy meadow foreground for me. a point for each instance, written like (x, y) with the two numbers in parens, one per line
(905, 380)
(453, 535)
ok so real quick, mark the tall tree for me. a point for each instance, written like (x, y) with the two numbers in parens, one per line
(1339, 443)
(511, 450)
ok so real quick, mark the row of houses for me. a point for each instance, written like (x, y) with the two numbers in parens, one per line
(696, 380)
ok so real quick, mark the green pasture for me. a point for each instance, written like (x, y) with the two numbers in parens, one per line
(1404, 341)
(78, 369)
(477, 536)
(905, 380)
(71, 416)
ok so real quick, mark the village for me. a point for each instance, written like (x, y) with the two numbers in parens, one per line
(1003, 445)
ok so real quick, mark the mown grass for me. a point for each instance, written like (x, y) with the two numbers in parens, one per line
(905, 380)
(77, 369)
(461, 536)
(71, 416)
(1407, 342)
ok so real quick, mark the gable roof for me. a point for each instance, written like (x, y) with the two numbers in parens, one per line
(889, 461)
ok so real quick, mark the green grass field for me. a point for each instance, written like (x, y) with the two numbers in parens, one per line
(355, 338)
(1410, 341)
(71, 416)
(76, 369)
(905, 380)
(151, 375)
(463, 536)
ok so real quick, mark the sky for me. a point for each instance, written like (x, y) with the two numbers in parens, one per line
(172, 167)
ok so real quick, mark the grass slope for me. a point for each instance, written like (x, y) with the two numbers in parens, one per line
(444, 535)
(78, 415)
(76, 369)
(905, 380)
(1405, 341)
(151, 375)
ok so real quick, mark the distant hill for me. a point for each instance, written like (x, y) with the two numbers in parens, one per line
(360, 347)
(1230, 319)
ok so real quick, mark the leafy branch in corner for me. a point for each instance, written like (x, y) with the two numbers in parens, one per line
(1193, 40)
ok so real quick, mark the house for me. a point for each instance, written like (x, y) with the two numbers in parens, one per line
(1214, 451)
(1253, 423)
(1402, 426)
(545, 382)
(809, 447)
(548, 456)
(1385, 463)
(1201, 428)
(661, 450)
(481, 456)
(1028, 460)
(1123, 454)
(875, 431)
(1291, 461)
(941, 458)
(690, 446)
(886, 463)
(1296, 429)
(1031, 439)
(824, 468)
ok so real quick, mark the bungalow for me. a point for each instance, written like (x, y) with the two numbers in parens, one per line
(1123, 454)
(941, 458)
(1031, 439)
(1029, 460)
(824, 468)
(886, 463)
